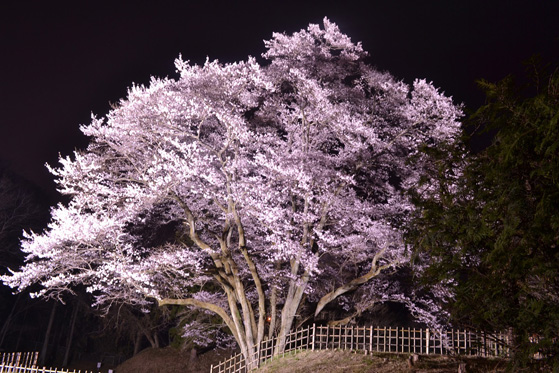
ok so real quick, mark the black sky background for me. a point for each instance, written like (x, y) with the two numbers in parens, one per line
(59, 62)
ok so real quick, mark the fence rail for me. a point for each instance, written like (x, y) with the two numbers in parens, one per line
(376, 339)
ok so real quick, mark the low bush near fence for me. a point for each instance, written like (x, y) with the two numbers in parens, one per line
(377, 339)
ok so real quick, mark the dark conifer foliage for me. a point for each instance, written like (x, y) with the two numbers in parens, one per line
(495, 234)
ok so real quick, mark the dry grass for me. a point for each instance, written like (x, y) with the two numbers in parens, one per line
(170, 360)
(329, 361)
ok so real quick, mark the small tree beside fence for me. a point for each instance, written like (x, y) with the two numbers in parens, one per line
(376, 339)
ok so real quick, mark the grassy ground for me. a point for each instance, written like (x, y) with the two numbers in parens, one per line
(170, 360)
(329, 361)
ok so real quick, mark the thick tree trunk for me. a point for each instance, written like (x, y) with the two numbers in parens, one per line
(70, 335)
(273, 312)
(137, 342)
(193, 355)
(156, 340)
(8, 321)
(20, 333)
(292, 302)
(150, 339)
(44, 350)
(246, 325)
(238, 322)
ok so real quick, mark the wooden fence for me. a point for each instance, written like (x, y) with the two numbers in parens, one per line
(34, 369)
(376, 339)
(23, 359)
(26, 362)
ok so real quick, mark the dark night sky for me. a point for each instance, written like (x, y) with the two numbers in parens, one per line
(61, 62)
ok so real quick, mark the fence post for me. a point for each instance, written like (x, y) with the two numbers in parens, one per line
(313, 335)
(453, 339)
(427, 337)
(409, 340)
(384, 341)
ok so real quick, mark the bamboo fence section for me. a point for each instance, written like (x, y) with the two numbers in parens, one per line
(26, 362)
(24, 359)
(376, 339)
(19, 369)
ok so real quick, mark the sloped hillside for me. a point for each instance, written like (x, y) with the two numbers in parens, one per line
(330, 361)
(171, 360)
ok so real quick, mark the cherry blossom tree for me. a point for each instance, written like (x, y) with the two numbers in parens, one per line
(237, 187)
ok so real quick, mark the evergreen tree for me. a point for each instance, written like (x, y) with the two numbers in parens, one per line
(492, 231)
